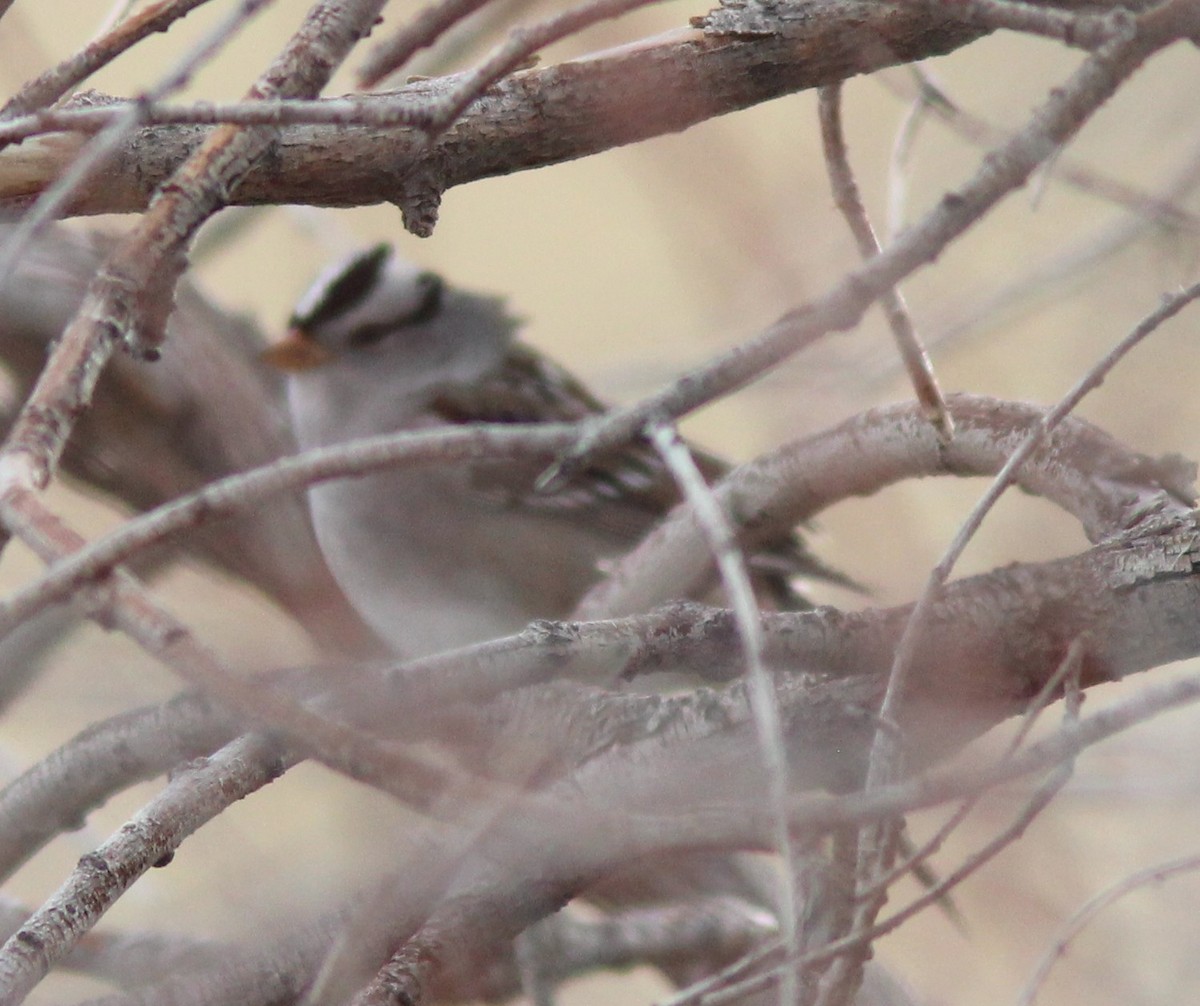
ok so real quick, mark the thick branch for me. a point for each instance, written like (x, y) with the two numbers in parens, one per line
(533, 118)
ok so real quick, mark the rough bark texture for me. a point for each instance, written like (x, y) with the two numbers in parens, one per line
(530, 119)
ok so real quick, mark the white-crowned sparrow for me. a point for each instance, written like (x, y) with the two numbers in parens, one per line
(435, 557)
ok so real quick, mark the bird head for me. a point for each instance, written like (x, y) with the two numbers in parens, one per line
(374, 310)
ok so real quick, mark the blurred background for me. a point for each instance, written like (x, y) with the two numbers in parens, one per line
(636, 264)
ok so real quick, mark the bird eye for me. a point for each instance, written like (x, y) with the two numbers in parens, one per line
(431, 289)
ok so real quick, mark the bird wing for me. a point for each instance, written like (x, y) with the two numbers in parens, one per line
(624, 492)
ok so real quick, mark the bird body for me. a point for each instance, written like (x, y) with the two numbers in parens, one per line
(438, 556)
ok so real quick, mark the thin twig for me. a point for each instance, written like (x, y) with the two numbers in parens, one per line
(130, 297)
(416, 33)
(102, 50)
(849, 201)
(861, 938)
(380, 111)
(1069, 667)
(88, 162)
(764, 701)
(1166, 212)
(1084, 916)
(1084, 30)
(464, 41)
(514, 51)
(1004, 170)
(194, 796)
(237, 493)
(898, 164)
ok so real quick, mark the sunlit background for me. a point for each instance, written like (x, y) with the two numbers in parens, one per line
(638, 263)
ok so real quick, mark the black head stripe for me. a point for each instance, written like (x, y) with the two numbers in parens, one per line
(430, 288)
(347, 290)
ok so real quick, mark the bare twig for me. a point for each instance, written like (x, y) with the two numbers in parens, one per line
(515, 50)
(239, 493)
(1069, 667)
(87, 162)
(1092, 379)
(1081, 470)
(846, 194)
(469, 36)
(861, 938)
(193, 797)
(118, 38)
(1167, 212)
(1085, 30)
(1084, 916)
(131, 297)
(57, 792)
(1005, 169)
(898, 166)
(420, 31)
(886, 753)
(764, 702)
(1068, 674)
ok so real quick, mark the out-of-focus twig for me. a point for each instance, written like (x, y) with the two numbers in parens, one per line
(192, 797)
(87, 160)
(1083, 917)
(1082, 29)
(887, 753)
(764, 701)
(120, 37)
(131, 297)
(418, 32)
(1069, 667)
(975, 129)
(1004, 170)
(515, 50)
(846, 194)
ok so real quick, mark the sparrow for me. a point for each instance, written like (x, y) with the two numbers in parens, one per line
(437, 556)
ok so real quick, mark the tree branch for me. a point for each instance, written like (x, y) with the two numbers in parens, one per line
(530, 119)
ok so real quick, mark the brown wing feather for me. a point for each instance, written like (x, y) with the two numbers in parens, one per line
(625, 492)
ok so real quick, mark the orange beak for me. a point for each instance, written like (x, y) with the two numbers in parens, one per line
(296, 352)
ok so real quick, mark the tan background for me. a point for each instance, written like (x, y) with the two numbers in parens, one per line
(636, 263)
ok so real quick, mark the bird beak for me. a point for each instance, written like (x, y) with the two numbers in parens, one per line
(296, 352)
